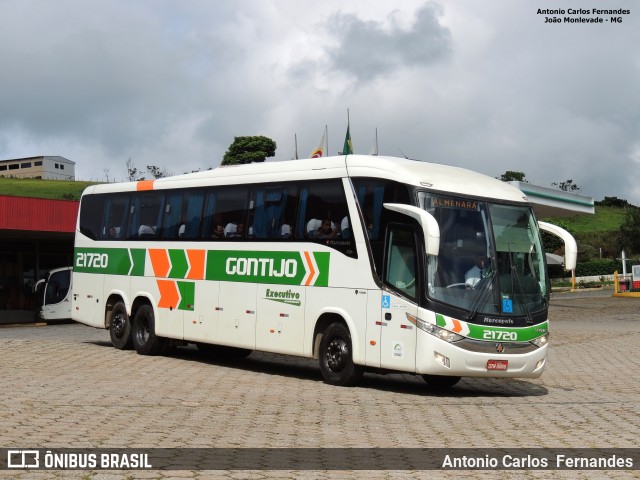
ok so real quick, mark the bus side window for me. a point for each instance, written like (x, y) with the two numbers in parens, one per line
(269, 209)
(325, 201)
(173, 220)
(226, 206)
(114, 222)
(91, 215)
(145, 219)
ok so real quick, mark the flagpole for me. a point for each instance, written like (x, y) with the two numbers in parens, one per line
(376, 142)
(326, 140)
(347, 149)
(295, 141)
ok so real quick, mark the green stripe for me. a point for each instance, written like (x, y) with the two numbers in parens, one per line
(139, 256)
(555, 197)
(478, 332)
(111, 261)
(280, 268)
(179, 264)
(500, 334)
(187, 295)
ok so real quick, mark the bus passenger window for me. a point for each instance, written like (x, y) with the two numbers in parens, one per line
(268, 208)
(115, 217)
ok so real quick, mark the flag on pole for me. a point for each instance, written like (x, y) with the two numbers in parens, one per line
(374, 147)
(348, 146)
(322, 150)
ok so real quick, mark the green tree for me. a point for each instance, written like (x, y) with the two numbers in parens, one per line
(511, 176)
(630, 231)
(567, 186)
(613, 202)
(158, 172)
(248, 150)
(133, 172)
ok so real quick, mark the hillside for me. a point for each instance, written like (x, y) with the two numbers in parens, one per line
(37, 188)
(605, 219)
(598, 234)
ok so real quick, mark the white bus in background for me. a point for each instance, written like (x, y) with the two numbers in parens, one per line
(237, 259)
(54, 295)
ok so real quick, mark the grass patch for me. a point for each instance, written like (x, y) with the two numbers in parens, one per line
(38, 188)
(605, 219)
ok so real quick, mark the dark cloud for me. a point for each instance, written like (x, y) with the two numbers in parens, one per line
(483, 85)
(368, 49)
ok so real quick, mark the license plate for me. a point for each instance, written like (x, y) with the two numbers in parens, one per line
(497, 364)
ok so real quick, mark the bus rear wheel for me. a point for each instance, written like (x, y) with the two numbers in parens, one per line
(120, 327)
(145, 340)
(440, 381)
(336, 357)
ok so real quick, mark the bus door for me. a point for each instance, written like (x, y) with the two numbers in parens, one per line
(201, 323)
(280, 327)
(399, 299)
(238, 310)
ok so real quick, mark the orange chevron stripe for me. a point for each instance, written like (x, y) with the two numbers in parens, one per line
(196, 262)
(145, 185)
(169, 294)
(457, 326)
(160, 262)
(310, 264)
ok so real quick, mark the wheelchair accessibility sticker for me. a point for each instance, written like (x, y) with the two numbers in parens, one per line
(507, 305)
(386, 301)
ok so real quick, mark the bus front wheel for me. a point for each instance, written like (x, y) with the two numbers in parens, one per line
(336, 357)
(145, 340)
(120, 327)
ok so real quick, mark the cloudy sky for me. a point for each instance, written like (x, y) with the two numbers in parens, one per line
(485, 85)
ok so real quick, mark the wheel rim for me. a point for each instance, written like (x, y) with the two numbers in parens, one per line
(337, 354)
(118, 323)
(143, 331)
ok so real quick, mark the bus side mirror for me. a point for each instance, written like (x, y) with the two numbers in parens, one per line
(570, 245)
(429, 225)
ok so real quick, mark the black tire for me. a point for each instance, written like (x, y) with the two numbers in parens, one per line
(440, 381)
(336, 357)
(144, 336)
(120, 327)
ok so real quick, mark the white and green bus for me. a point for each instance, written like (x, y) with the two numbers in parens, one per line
(361, 262)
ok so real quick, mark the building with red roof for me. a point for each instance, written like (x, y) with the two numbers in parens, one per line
(36, 235)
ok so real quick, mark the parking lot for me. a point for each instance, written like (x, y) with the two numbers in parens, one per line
(65, 386)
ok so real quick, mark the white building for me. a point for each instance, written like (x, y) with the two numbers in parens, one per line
(551, 202)
(46, 167)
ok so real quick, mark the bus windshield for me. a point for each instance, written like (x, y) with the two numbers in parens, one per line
(491, 259)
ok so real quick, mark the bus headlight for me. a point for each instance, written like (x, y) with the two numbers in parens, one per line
(434, 330)
(541, 341)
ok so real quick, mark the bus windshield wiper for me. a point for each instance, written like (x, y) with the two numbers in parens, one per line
(479, 297)
(515, 279)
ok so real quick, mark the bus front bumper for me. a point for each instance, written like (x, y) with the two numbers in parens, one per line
(496, 360)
